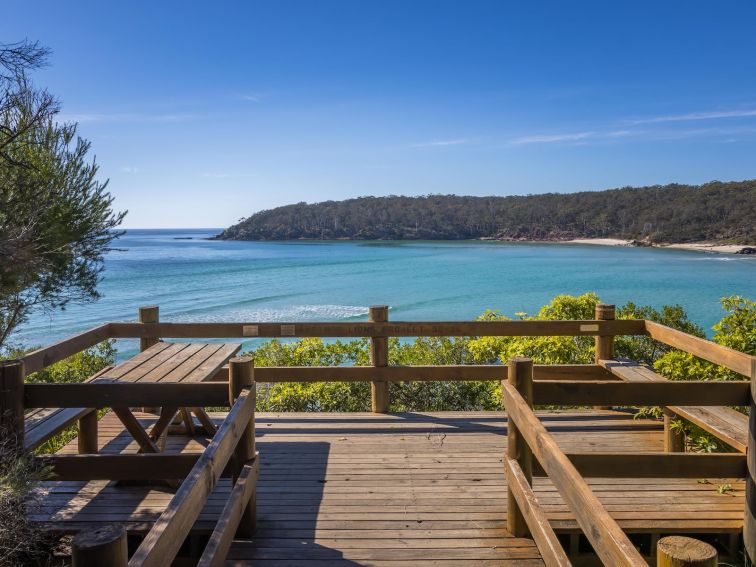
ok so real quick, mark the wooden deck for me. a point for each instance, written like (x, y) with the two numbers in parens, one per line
(425, 488)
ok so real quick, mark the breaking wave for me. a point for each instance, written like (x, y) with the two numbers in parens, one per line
(285, 314)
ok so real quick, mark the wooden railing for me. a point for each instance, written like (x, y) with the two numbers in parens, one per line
(528, 439)
(605, 383)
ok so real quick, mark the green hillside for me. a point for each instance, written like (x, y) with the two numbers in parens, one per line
(672, 213)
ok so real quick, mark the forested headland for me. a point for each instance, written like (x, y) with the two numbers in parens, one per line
(715, 212)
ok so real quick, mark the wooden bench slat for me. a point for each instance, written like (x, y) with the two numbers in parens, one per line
(41, 430)
(724, 423)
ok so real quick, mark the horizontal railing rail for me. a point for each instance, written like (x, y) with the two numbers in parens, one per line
(380, 329)
(534, 516)
(142, 466)
(736, 361)
(456, 373)
(612, 393)
(45, 356)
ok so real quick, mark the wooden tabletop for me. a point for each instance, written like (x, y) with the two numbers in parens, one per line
(174, 362)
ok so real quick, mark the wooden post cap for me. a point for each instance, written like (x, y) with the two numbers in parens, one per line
(101, 546)
(605, 311)
(378, 313)
(151, 310)
(680, 551)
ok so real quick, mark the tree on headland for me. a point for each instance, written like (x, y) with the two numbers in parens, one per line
(715, 211)
(56, 217)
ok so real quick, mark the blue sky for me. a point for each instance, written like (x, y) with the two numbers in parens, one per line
(203, 112)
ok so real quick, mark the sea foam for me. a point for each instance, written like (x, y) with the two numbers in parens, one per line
(289, 313)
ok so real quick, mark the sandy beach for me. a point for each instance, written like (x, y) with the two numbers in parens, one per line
(599, 241)
(709, 247)
(696, 246)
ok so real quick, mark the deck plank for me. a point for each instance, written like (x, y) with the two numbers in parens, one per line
(399, 489)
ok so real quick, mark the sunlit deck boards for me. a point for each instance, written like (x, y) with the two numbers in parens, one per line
(370, 489)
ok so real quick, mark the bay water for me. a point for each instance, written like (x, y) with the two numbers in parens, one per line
(192, 278)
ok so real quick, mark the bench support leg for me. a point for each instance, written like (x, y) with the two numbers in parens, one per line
(88, 434)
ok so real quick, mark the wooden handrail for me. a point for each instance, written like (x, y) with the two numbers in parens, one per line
(598, 464)
(45, 356)
(163, 541)
(464, 372)
(618, 393)
(729, 358)
(551, 550)
(220, 540)
(608, 540)
(590, 327)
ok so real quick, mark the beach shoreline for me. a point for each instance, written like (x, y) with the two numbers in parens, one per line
(709, 247)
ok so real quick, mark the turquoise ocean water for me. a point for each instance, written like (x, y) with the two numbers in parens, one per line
(203, 280)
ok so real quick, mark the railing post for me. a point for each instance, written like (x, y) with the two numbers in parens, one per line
(521, 377)
(88, 434)
(12, 405)
(242, 375)
(680, 551)
(674, 438)
(148, 314)
(101, 546)
(379, 390)
(604, 343)
(749, 525)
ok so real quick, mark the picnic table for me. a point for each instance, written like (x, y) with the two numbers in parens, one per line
(169, 362)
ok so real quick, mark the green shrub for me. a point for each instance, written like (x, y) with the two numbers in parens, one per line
(21, 543)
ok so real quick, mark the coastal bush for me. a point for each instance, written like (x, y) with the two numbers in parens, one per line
(313, 396)
(21, 543)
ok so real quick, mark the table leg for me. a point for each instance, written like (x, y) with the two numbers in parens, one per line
(205, 420)
(137, 432)
(166, 417)
(188, 423)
